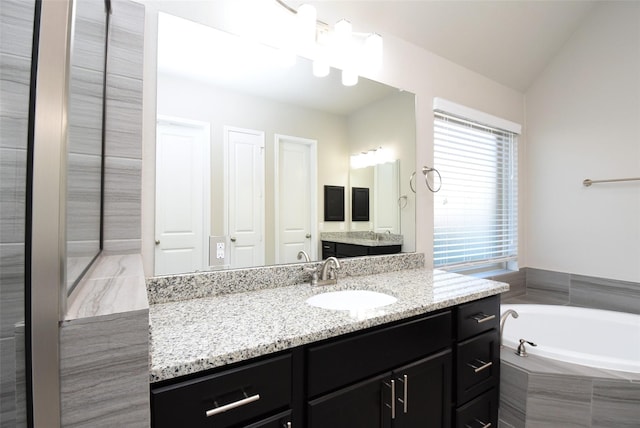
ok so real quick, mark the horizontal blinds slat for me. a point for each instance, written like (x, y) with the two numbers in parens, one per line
(475, 211)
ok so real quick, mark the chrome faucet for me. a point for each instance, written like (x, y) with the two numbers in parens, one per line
(503, 319)
(327, 273)
(304, 254)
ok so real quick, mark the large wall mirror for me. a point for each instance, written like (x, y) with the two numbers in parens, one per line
(246, 143)
(85, 136)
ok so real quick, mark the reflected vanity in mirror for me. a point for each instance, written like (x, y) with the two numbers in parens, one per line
(246, 145)
(85, 137)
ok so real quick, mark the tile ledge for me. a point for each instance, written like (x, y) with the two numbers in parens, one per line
(114, 285)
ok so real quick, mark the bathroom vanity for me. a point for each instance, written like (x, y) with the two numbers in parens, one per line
(266, 358)
(355, 244)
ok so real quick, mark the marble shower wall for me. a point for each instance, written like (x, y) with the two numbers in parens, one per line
(123, 133)
(16, 34)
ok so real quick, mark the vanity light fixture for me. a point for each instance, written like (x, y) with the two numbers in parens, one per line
(371, 157)
(353, 52)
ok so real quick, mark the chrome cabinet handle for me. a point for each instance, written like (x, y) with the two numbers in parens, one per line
(482, 424)
(405, 388)
(287, 425)
(481, 317)
(233, 405)
(393, 399)
(483, 366)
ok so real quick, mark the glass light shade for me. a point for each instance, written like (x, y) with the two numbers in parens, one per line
(343, 30)
(306, 23)
(349, 78)
(320, 68)
(372, 55)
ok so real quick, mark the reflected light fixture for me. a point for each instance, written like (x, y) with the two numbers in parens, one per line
(353, 52)
(371, 157)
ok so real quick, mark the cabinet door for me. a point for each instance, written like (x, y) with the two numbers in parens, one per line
(423, 392)
(281, 420)
(357, 406)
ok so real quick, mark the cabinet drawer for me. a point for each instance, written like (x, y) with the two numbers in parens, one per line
(475, 317)
(256, 389)
(479, 412)
(349, 250)
(477, 366)
(344, 361)
(277, 421)
(328, 249)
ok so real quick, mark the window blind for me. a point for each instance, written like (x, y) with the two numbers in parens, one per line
(475, 213)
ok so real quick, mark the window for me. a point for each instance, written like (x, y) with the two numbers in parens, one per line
(476, 210)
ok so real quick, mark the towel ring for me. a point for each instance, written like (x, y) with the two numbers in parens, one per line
(403, 201)
(413, 175)
(426, 170)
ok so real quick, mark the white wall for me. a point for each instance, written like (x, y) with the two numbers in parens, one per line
(406, 66)
(583, 121)
(185, 98)
(390, 124)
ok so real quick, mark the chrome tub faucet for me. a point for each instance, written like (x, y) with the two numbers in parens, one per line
(503, 319)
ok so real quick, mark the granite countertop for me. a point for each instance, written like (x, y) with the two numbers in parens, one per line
(199, 334)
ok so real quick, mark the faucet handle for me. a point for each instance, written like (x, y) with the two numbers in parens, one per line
(314, 275)
(521, 351)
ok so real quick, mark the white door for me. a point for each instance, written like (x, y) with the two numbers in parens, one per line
(245, 196)
(295, 198)
(182, 196)
(386, 217)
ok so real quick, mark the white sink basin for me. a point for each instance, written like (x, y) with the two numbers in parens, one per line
(349, 300)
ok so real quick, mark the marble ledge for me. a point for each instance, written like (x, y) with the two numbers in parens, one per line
(114, 285)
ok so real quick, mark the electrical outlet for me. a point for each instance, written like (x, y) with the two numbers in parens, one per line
(220, 250)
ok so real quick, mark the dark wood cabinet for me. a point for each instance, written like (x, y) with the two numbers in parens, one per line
(435, 370)
(397, 376)
(225, 399)
(477, 363)
(342, 250)
(416, 395)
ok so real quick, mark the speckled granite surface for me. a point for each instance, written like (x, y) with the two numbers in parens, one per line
(173, 288)
(367, 239)
(199, 334)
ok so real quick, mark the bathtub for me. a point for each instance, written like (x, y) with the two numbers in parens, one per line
(589, 337)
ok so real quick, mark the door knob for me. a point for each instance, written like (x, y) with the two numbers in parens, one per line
(233, 239)
(157, 242)
(308, 236)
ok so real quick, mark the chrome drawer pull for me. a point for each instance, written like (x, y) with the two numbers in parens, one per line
(393, 399)
(406, 392)
(405, 385)
(482, 424)
(233, 405)
(478, 369)
(481, 317)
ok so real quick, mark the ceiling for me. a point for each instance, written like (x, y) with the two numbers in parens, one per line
(509, 42)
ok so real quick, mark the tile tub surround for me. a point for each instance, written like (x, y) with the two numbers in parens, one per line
(370, 239)
(537, 391)
(560, 288)
(198, 334)
(174, 288)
